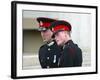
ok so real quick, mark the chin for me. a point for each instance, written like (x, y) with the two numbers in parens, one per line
(58, 44)
(44, 40)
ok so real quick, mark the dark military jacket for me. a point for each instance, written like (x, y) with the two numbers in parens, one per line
(71, 55)
(49, 55)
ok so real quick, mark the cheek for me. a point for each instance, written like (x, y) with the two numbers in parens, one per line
(61, 38)
(58, 39)
(49, 34)
(43, 35)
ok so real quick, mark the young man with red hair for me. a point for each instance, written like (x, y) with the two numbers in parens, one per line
(71, 55)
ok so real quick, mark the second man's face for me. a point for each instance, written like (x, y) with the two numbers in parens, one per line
(46, 35)
(60, 38)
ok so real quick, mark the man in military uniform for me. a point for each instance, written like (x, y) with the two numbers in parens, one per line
(49, 53)
(71, 55)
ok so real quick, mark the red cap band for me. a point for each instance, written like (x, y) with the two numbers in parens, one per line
(45, 25)
(60, 27)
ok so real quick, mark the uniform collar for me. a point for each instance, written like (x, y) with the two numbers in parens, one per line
(67, 43)
(50, 41)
